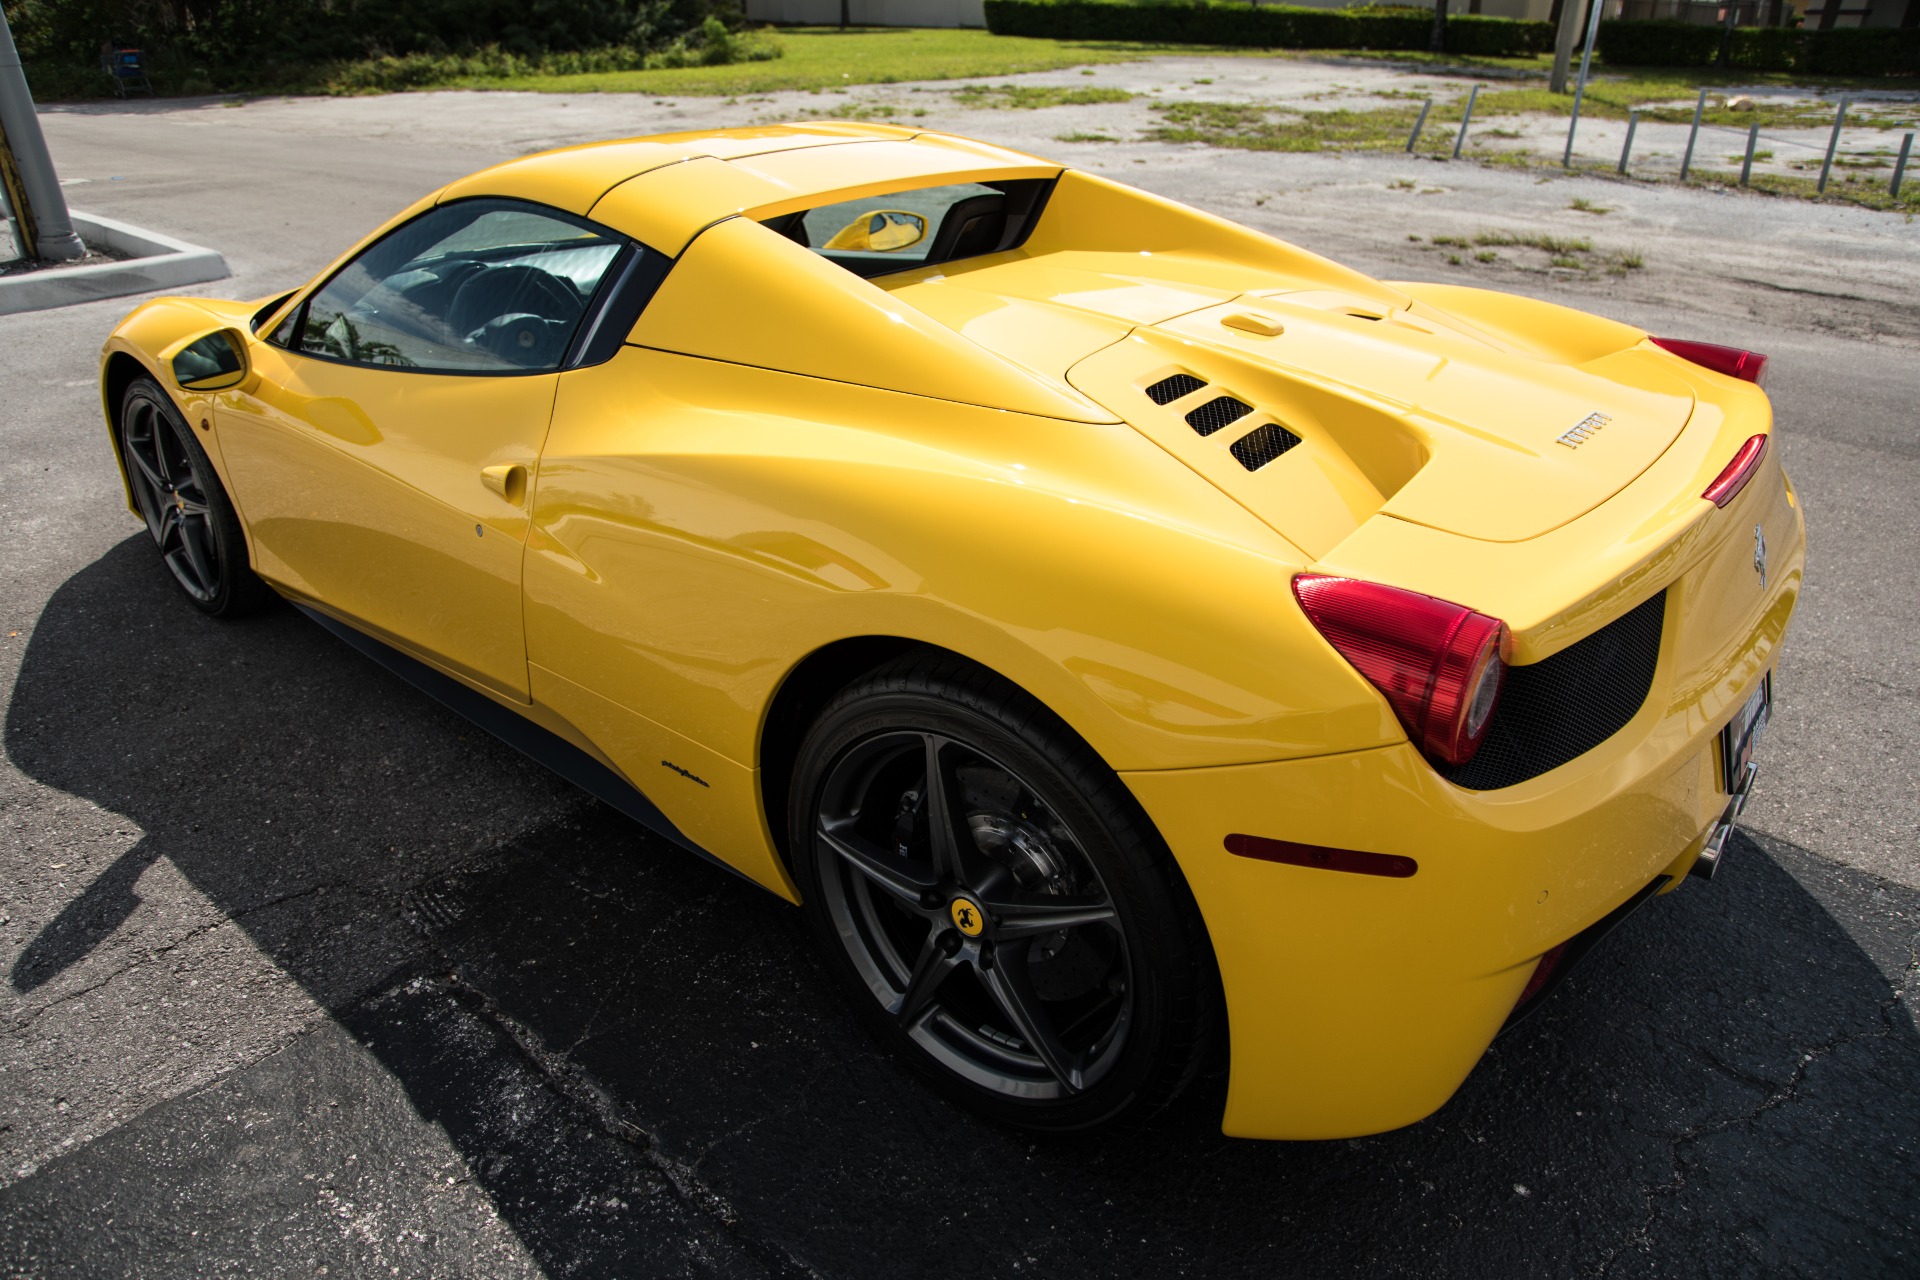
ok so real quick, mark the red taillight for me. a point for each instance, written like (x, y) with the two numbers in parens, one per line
(1728, 484)
(1748, 366)
(1440, 665)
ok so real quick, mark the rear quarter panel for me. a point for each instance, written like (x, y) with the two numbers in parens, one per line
(701, 528)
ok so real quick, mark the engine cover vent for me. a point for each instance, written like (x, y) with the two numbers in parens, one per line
(1263, 444)
(1167, 390)
(1217, 413)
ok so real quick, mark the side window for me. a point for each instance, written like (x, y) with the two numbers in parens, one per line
(479, 286)
(908, 229)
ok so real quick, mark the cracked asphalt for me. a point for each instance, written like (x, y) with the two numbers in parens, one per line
(305, 976)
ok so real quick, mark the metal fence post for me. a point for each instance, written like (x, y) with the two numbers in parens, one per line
(1419, 124)
(1746, 166)
(1460, 140)
(1686, 161)
(39, 206)
(1833, 142)
(1900, 166)
(1626, 149)
(1580, 90)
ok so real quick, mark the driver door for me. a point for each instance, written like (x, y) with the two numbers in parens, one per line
(384, 458)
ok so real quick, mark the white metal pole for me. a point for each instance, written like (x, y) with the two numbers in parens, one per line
(1465, 120)
(1833, 142)
(1419, 124)
(1580, 90)
(51, 229)
(1686, 161)
(1626, 150)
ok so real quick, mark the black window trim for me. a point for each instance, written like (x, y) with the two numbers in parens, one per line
(610, 297)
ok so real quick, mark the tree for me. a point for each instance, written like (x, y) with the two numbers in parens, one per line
(1437, 42)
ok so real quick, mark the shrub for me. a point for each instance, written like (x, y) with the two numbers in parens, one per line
(1847, 51)
(204, 45)
(1264, 27)
(1658, 44)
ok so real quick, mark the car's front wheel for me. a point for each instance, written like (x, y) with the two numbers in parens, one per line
(188, 514)
(1002, 910)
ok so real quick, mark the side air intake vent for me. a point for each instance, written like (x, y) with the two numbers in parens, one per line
(1217, 413)
(1167, 390)
(1561, 707)
(1263, 444)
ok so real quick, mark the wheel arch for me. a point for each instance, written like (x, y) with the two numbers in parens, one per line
(796, 703)
(120, 371)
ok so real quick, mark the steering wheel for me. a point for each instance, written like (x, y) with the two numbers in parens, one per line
(519, 313)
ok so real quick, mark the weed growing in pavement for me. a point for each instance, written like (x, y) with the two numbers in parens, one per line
(1257, 128)
(1571, 253)
(1081, 137)
(1026, 97)
(1581, 204)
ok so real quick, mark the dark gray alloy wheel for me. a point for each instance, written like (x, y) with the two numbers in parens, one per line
(186, 510)
(1017, 943)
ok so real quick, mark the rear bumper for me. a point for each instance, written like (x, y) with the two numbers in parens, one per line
(1359, 1003)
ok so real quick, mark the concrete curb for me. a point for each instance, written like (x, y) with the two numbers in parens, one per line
(156, 262)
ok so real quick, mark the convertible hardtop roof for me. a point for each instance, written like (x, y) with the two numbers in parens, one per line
(663, 190)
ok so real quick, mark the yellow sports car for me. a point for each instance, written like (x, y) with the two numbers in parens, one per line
(1130, 638)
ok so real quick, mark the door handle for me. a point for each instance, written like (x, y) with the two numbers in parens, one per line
(509, 481)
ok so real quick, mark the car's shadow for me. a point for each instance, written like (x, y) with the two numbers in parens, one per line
(1726, 1087)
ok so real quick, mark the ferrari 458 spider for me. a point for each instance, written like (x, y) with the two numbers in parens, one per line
(1129, 637)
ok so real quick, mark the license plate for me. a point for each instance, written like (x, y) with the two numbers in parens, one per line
(1739, 738)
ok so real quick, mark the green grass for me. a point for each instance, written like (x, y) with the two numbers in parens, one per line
(1253, 128)
(827, 57)
(1580, 204)
(1027, 97)
(1573, 253)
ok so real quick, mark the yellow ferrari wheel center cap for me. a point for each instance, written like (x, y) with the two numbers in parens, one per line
(967, 918)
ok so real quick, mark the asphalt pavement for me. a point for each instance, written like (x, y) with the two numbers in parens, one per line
(306, 976)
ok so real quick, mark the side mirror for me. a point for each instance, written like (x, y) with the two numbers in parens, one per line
(882, 231)
(212, 363)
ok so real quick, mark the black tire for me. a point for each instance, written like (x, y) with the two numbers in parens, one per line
(1123, 995)
(188, 513)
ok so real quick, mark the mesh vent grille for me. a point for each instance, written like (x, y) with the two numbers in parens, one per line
(1564, 706)
(1167, 390)
(1263, 444)
(1217, 413)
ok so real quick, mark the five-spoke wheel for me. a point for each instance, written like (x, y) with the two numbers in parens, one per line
(179, 496)
(1004, 911)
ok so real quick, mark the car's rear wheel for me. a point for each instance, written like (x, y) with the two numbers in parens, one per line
(1002, 910)
(188, 514)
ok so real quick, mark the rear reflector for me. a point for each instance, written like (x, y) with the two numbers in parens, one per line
(1542, 974)
(1748, 366)
(1357, 861)
(1728, 484)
